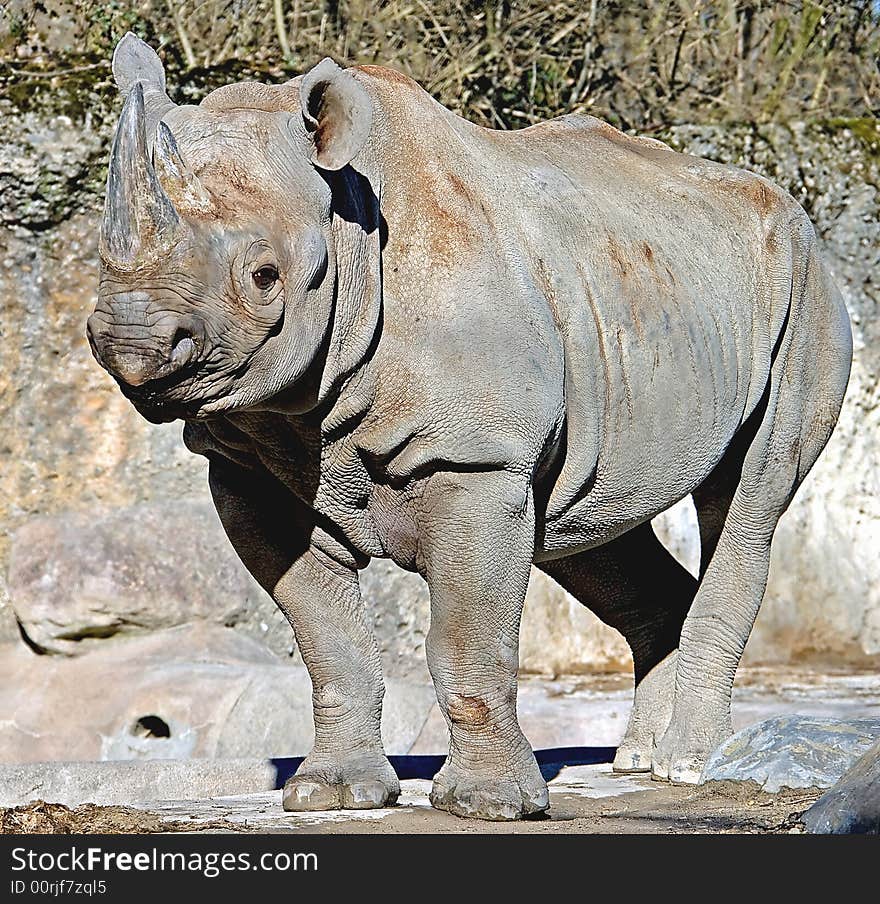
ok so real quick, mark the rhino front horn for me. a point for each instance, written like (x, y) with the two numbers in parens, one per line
(139, 218)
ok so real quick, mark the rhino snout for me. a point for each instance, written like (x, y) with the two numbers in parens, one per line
(135, 355)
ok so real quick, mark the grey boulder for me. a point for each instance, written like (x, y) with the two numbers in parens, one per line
(852, 806)
(122, 782)
(192, 692)
(80, 577)
(792, 752)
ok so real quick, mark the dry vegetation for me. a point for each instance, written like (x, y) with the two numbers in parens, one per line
(508, 62)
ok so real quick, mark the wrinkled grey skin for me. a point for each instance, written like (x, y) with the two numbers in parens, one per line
(482, 350)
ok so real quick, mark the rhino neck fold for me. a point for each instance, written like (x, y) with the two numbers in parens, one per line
(357, 235)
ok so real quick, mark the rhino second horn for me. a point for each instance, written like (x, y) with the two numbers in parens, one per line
(139, 218)
(177, 179)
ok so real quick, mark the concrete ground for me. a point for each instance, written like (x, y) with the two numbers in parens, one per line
(584, 712)
(583, 799)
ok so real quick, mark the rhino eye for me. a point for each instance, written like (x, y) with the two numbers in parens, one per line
(265, 277)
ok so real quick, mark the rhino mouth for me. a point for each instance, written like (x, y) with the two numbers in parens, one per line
(204, 387)
(155, 400)
(176, 397)
(161, 411)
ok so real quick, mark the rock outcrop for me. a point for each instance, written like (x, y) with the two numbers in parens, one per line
(792, 752)
(852, 806)
(82, 577)
(192, 692)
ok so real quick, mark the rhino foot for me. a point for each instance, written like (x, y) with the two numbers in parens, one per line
(636, 752)
(649, 718)
(485, 797)
(365, 783)
(632, 758)
(680, 757)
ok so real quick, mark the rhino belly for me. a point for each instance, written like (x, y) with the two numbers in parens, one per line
(648, 422)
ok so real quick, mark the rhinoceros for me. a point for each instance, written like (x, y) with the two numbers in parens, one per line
(396, 334)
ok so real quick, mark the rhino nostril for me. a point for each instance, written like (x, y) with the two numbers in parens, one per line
(183, 348)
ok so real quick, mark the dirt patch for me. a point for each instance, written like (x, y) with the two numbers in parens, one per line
(715, 808)
(42, 818)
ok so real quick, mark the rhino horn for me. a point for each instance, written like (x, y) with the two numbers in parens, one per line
(139, 217)
(176, 177)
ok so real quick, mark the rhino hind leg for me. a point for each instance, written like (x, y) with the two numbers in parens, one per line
(777, 448)
(714, 634)
(648, 718)
(635, 585)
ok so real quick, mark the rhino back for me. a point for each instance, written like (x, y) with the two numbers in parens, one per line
(672, 278)
(570, 278)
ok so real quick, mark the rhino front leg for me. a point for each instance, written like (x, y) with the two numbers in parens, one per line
(317, 588)
(476, 543)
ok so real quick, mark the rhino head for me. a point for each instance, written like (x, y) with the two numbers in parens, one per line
(218, 273)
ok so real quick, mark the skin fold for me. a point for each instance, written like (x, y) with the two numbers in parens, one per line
(394, 333)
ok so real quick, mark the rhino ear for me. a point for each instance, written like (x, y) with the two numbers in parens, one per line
(135, 61)
(337, 113)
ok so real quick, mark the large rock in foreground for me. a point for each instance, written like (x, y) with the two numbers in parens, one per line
(195, 692)
(852, 806)
(792, 752)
